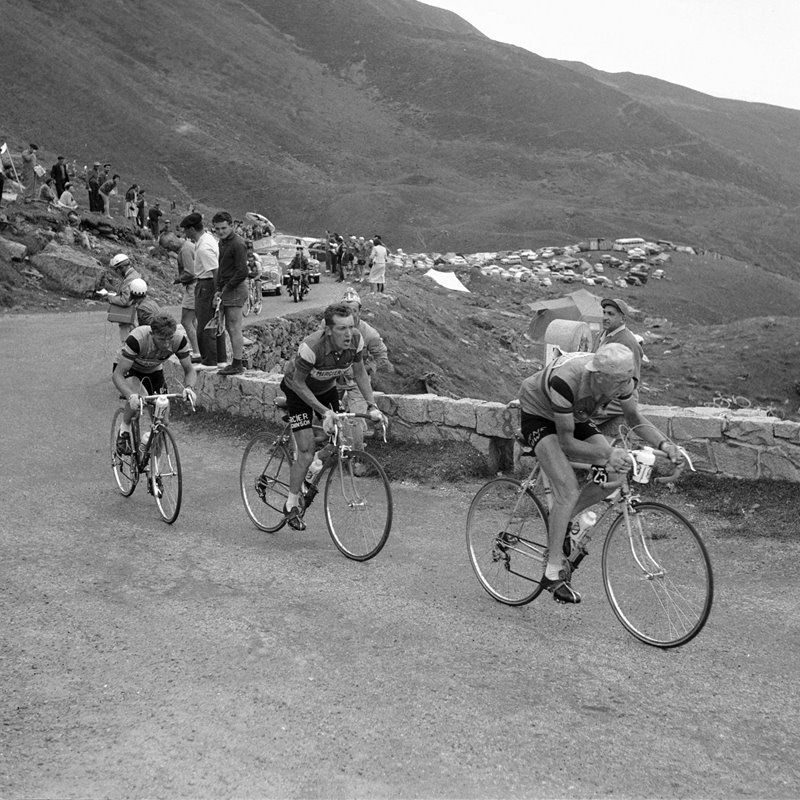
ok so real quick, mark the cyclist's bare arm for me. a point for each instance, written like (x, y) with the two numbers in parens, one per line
(645, 429)
(125, 386)
(362, 381)
(189, 372)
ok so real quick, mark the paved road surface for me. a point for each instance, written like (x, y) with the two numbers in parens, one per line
(207, 659)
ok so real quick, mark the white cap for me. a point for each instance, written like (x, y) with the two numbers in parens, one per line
(138, 287)
(119, 259)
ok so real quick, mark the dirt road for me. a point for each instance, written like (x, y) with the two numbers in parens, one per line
(207, 659)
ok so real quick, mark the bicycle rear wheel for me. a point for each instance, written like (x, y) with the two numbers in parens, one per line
(248, 302)
(507, 541)
(658, 579)
(126, 471)
(264, 481)
(166, 478)
(358, 505)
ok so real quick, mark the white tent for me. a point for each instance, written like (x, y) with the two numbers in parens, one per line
(447, 279)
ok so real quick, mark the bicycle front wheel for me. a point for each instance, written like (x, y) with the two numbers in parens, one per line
(358, 505)
(126, 471)
(264, 481)
(657, 575)
(507, 541)
(166, 478)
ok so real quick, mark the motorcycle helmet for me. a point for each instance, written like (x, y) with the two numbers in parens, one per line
(138, 288)
(119, 260)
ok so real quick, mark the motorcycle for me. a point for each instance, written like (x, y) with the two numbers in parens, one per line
(297, 285)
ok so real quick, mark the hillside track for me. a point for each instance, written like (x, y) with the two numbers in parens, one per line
(207, 659)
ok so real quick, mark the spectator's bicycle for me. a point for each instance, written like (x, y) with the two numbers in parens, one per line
(253, 302)
(154, 455)
(656, 570)
(357, 498)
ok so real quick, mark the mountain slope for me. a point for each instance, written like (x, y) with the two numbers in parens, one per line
(390, 116)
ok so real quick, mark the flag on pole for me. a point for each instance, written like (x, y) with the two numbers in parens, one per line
(3, 149)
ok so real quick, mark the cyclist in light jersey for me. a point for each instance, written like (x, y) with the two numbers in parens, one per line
(557, 404)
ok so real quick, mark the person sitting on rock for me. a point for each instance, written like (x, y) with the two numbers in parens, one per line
(67, 200)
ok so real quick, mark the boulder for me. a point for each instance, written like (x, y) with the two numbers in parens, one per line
(13, 251)
(74, 271)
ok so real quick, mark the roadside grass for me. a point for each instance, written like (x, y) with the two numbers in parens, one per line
(764, 507)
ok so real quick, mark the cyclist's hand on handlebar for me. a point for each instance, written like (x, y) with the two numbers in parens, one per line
(189, 394)
(618, 461)
(134, 402)
(329, 421)
(374, 413)
(672, 451)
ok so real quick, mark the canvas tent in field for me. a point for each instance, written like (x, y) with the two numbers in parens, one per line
(580, 305)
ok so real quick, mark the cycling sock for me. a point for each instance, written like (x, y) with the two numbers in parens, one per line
(292, 500)
(124, 427)
(551, 572)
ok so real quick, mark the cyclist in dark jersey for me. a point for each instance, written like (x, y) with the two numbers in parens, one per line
(309, 383)
(557, 405)
(140, 371)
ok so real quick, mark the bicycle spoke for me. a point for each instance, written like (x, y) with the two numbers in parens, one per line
(657, 575)
(264, 481)
(358, 505)
(507, 541)
(165, 475)
(125, 470)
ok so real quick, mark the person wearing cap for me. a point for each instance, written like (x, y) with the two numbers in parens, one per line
(615, 330)
(557, 406)
(60, 175)
(146, 307)
(376, 358)
(122, 265)
(377, 261)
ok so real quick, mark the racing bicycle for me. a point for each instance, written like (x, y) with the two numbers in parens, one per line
(254, 301)
(357, 498)
(154, 455)
(656, 570)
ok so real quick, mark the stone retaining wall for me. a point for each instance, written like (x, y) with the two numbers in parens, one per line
(740, 444)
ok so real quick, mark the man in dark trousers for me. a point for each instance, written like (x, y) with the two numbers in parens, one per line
(232, 287)
(60, 174)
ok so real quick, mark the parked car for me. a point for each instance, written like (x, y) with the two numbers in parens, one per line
(271, 274)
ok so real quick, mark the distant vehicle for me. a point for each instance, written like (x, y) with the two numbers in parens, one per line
(602, 280)
(598, 268)
(627, 244)
(271, 275)
(658, 274)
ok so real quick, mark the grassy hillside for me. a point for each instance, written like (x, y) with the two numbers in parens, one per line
(391, 116)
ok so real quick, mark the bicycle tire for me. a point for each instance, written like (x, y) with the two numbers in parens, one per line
(166, 477)
(507, 540)
(358, 505)
(664, 598)
(295, 292)
(125, 468)
(264, 481)
(248, 302)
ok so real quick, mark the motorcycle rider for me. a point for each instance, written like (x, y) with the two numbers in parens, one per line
(300, 262)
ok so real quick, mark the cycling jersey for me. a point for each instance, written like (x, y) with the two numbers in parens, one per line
(563, 388)
(323, 366)
(147, 357)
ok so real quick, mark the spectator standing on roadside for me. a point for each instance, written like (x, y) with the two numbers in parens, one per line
(60, 175)
(361, 258)
(231, 285)
(141, 208)
(130, 202)
(93, 185)
(27, 174)
(108, 188)
(188, 280)
(615, 331)
(206, 265)
(339, 257)
(153, 217)
(377, 260)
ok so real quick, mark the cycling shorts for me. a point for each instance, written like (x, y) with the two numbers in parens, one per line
(152, 382)
(535, 428)
(301, 415)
